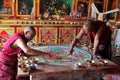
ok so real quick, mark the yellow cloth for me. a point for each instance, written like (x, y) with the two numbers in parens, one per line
(100, 16)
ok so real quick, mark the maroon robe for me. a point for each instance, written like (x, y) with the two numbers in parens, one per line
(8, 58)
(105, 39)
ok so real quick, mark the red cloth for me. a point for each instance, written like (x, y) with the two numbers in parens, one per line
(105, 37)
(8, 58)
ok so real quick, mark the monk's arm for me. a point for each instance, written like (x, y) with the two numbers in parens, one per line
(28, 50)
(75, 40)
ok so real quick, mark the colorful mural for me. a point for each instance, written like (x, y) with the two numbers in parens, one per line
(66, 35)
(48, 35)
(5, 33)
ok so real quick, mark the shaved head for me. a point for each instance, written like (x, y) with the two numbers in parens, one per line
(29, 28)
(89, 26)
(29, 32)
(89, 23)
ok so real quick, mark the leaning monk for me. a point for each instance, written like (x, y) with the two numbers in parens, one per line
(99, 35)
(13, 46)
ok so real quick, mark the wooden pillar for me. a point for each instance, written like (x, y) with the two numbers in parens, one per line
(74, 5)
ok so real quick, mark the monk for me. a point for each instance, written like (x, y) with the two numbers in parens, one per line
(99, 35)
(13, 46)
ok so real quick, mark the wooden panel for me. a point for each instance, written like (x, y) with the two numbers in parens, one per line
(48, 35)
(5, 33)
(66, 35)
(22, 28)
(51, 76)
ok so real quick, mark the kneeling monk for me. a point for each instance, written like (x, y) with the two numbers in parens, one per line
(13, 46)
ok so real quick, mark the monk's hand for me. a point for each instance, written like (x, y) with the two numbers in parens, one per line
(94, 56)
(97, 56)
(47, 54)
(71, 51)
(52, 54)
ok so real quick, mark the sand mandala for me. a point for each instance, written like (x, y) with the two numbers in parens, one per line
(62, 56)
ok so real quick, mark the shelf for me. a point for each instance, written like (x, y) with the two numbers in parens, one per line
(41, 23)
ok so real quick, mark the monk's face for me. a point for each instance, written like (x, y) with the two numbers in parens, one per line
(88, 29)
(29, 35)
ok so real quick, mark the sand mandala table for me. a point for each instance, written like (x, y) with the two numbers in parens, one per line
(62, 55)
